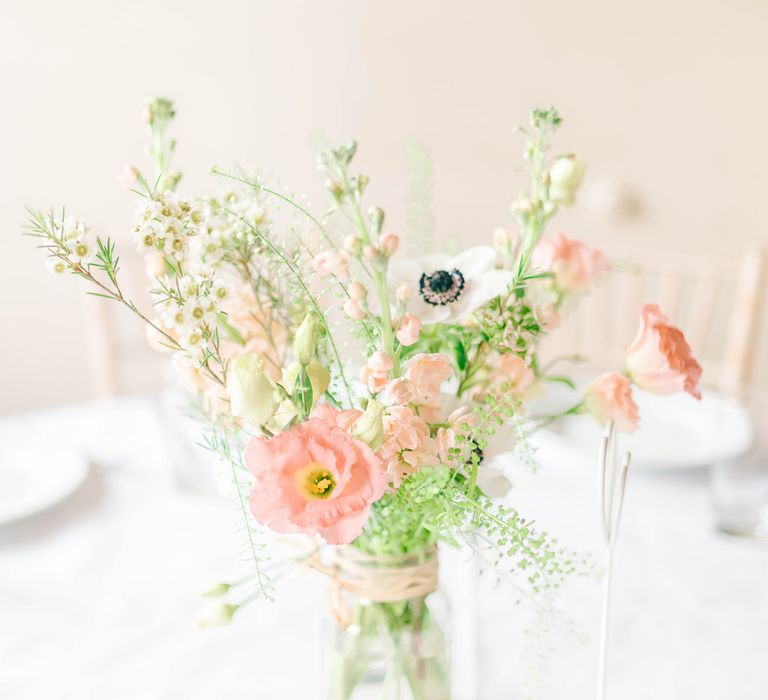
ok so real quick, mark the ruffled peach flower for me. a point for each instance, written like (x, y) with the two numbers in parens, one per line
(408, 332)
(451, 440)
(659, 359)
(512, 372)
(315, 479)
(375, 372)
(573, 264)
(343, 419)
(609, 397)
(399, 391)
(426, 372)
(407, 443)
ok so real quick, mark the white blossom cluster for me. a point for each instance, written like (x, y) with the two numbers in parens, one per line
(77, 241)
(189, 307)
(229, 220)
(166, 224)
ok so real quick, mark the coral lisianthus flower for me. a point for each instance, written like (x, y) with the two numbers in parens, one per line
(659, 359)
(609, 397)
(573, 264)
(315, 479)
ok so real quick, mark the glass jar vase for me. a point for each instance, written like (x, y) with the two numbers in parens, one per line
(389, 639)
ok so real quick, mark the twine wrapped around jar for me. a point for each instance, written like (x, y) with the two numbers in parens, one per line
(379, 578)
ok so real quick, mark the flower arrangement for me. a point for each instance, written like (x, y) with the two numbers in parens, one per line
(362, 398)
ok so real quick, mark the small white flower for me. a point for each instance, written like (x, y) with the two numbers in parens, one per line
(56, 265)
(175, 245)
(193, 339)
(146, 238)
(220, 290)
(448, 290)
(176, 316)
(74, 229)
(81, 250)
(188, 286)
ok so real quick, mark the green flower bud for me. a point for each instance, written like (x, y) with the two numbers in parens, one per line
(305, 340)
(251, 392)
(565, 177)
(217, 615)
(319, 378)
(369, 427)
(219, 589)
(376, 219)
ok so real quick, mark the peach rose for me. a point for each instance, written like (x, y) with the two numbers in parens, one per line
(609, 397)
(315, 479)
(573, 264)
(426, 372)
(659, 359)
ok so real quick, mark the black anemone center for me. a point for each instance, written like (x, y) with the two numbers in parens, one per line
(441, 287)
(440, 281)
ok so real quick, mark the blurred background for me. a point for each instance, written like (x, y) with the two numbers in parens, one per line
(664, 100)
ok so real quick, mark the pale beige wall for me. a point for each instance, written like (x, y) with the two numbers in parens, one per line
(666, 101)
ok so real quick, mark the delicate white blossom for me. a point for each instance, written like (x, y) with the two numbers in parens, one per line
(449, 289)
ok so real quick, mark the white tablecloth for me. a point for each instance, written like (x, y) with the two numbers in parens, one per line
(98, 596)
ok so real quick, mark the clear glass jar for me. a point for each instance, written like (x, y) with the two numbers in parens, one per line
(390, 650)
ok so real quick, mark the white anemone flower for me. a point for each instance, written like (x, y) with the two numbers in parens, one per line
(449, 289)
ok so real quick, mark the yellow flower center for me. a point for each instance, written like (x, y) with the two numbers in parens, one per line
(315, 480)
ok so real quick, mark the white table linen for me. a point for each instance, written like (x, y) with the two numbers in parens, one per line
(98, 596)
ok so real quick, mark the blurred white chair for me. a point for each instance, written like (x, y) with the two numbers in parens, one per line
(119, 357)
(717, 302)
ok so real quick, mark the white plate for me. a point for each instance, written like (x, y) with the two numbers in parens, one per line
(676, 432)
(33, 479)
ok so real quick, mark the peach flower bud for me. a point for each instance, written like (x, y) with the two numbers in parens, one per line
(370, 252)
(404, 293)
(389, 243)
(380, 362)
(609, 397)
(659, 359)
(331, 262)
(398, 392)
(410, 327)
(354, 310)
(356, 291)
